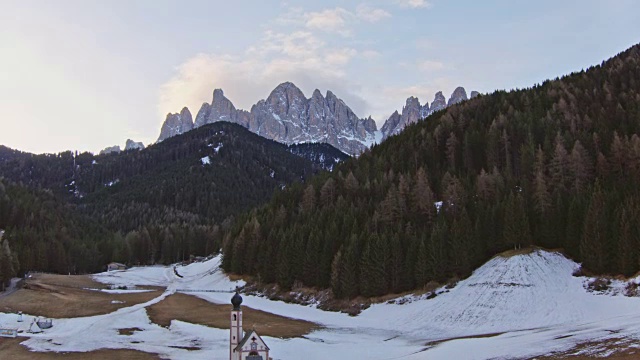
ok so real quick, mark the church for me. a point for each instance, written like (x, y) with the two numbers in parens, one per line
(247, 346)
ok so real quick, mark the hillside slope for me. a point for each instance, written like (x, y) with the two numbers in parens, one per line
(556, 165)
(160, 204)
(522, 306)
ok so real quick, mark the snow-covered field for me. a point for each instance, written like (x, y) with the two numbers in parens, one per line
(511, 307)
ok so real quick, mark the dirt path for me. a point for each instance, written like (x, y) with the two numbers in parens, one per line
(13, 286)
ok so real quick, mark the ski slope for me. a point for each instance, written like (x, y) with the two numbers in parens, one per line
(512, 307)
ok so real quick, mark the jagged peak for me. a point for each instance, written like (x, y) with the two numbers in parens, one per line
(458, 95)
(412, 100)
(217, 92)
(285, 86)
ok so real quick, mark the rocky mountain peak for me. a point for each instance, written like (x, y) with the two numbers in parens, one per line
(317, 94)
(176, 124)
(458, 95)
(287, 116)
(133, 145)
(473, 94)
(218, 94)
(111, 149)
(413, 112)
(439, 102)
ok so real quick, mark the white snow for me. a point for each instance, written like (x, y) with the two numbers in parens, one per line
(523, 306)
(206, 160)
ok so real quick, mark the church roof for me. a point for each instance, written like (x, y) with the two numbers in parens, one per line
(248, 336)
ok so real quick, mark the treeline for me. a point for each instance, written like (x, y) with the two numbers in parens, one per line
(43, 233)
(74, 213)
(557, 166)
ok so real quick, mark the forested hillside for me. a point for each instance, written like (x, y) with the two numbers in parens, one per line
(161, 204)
(556, 165)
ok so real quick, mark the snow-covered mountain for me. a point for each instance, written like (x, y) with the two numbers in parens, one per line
(414, 111)
(286, 116)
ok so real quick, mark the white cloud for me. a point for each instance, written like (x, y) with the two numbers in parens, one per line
(338, 20)
(413, 3)
(299, 57)
(430, 66)
(330, 20)
(370, 14)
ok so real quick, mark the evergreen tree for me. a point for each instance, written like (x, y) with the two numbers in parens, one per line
(593, 242)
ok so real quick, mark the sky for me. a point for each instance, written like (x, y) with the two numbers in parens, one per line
(87, 74)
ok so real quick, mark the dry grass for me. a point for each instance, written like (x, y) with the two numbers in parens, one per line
(197, 311)
(61, 296)
(128, 331)
(76, 281)
(619, 349)
(528, 250)
(11, 349)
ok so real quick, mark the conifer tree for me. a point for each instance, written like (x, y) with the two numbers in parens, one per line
(627, 256)
(516, 231)
(592, 244)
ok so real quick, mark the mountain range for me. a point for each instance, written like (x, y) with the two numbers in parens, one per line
(287, 116)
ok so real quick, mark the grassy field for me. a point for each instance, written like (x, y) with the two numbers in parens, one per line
(197, 311)
(11, 349)
(62, 296)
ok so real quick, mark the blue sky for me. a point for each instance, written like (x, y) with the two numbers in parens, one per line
(85, 74)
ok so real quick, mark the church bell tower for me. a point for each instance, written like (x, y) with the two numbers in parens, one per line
(236, 327)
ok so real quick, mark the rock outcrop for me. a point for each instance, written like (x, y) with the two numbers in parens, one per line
(413, 111)
(439, 103)
(287, 116)
(459, 95)
(176, 124)
(133, 145)
(473, 94)
(111, 149)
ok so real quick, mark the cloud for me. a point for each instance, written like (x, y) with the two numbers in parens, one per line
(370, 14)
(338, 20)
(330, 20)
(413, 3)
(299, 57)
(430, 66)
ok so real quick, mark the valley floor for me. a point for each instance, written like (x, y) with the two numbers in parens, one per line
(523, 306)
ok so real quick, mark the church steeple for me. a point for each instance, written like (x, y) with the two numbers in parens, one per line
(236, 333)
